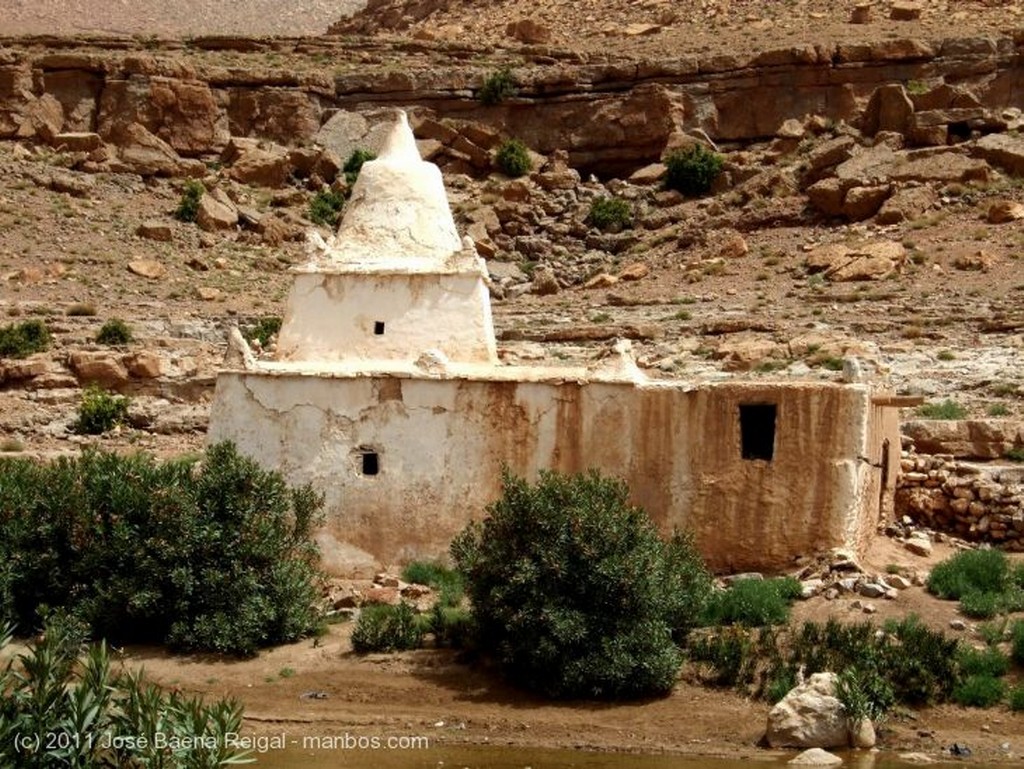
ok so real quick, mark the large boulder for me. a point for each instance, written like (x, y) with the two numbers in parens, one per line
(810, 716)
(870, 260)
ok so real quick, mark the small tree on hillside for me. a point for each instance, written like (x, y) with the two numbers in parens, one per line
(575, 593)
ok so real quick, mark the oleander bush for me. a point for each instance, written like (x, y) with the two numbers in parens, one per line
(214, 554)
(62, 704)
(574, 593)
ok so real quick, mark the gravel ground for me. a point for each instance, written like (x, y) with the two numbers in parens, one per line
(171, 17)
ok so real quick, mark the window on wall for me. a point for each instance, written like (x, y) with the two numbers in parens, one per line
(370, 462)
(378, 328)
(757, 430)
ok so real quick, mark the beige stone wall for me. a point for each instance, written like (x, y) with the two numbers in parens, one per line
(441, 444)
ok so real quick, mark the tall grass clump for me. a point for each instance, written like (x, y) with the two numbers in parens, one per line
(947, 409)
(449, 583)
(325, 208)
(211, 555)
(983, 581)
(573, 591)
(386, 629)
(752, 602)
(188, 205)
(354, 164)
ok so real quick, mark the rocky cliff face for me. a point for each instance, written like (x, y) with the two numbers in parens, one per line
(610, 117)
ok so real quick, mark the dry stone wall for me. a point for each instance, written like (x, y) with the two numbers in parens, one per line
(976, 501)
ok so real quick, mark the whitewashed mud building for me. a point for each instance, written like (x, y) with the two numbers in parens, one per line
(386, 393)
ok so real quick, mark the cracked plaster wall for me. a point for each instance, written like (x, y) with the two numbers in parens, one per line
(442, 443)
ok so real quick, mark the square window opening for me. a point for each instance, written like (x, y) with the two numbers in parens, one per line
(757, 430)
(371, 463)
(378, 327)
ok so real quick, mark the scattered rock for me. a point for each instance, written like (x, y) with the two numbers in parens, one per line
(919, 545)
(528, 31)
(1003, 211)
(155, 229)
(544, 281)
(147, 268)
(902, 10)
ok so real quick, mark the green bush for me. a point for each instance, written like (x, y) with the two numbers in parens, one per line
(386, 629)
(752, 602)
(610, 214)
(214, 555)
(449, 583)
(452, 626)
(947, 409)
(970, 571)
(864, 692)
(692, 170)
(62, 703)
(497, 87)
(263, 330)
(1016, 454)
(354, 164)
(1017, 699)
(325, 208)
(979, 692)
(983, 662)
(1017, 642)
(574, 592)
(188, 205)
(100, 412)
(114, 332)
(908, 663)
(513, 158)
(19, 340)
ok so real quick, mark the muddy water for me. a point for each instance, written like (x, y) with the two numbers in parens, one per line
(482, 757)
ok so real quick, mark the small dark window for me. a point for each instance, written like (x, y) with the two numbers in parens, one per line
(378, 328)
(757, 430)
(371, 463)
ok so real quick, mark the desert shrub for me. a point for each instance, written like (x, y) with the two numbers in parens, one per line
(214, 555)
(983, 580)
(513, 158)
(81, 310)
(325, 208)
(574, 592)
(609, 214)
(982, 662)
(386, 629)
(1016, 699)
(19, 340)
(62, 704)
(692, 170)
(114, 332)
(354, 164)
(1016, 454)
(752, 602)
(947, 409)
(979, 691)
(449, 583)
(1017, 642)
(497, 86)
(969, 571)
(728, 656)
(263, 330)
(188, 205)
(100, 412)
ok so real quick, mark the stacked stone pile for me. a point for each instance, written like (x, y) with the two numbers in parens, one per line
(975, 501)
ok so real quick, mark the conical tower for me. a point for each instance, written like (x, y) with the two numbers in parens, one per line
(396, 281)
